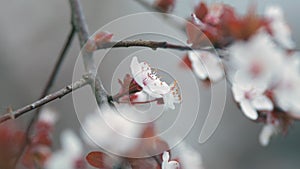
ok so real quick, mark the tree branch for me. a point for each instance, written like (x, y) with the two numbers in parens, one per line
(79, 22)
(56, 95)
(47, 88)
(151, 44)
(53, 75)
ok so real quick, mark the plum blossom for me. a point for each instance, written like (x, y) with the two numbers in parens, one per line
(166, 164)
(147, 79)
(279, 28)
(69, 155)
(287, 92)
(106, 128)
(48, 116)
(206, 65)
(266, 133)
(258, 59)
(188, 157)
(251, 97)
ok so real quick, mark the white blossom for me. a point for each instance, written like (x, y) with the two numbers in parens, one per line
(166, 164)
(258, 58)
(69, 154)
(147, 79)
(113, 132)
(287, 91)
(48, 116)
(206, 65)
(251, 97)
(189, 158)
(280, 30)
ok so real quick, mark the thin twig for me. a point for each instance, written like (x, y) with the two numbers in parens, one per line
(56, 95)
(47, 88)
(151, 44)
(53, 75)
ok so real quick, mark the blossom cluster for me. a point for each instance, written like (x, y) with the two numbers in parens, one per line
(260, 61)
(134, 146)
(145, 86)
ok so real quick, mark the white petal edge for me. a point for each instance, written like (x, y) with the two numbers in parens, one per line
(248, 110)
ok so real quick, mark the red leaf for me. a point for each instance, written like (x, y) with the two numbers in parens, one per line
(201, 10)
(95, 159)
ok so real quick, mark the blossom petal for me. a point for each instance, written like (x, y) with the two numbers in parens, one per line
(266, 133)
(238, 94)
(248, 110)
(197, 65)
(262, 102)
(280, 30)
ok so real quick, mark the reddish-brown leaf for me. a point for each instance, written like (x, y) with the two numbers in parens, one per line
(96, 159)
(165, 5)
(201, 10)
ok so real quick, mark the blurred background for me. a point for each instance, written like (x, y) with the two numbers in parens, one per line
(33, 32)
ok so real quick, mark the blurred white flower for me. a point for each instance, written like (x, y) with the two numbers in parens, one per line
(257, 59)
(188, 157)
(68, 156)
(280, 30)
(172, 97)
(206, 65)
(266, 133)
(287, 91)
(147, 79)
(166, 164)
(113, 132)
(48, 116)
(251, 97)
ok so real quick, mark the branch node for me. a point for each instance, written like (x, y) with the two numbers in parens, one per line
(11, 112)
(69, 87)
(32, 106)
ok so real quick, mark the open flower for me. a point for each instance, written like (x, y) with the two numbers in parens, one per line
(111, 131)
(166, 164)
(251, 97)
(69, 155)
(147, 79)
(206, 65)
(286, 91)
(258, 58)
